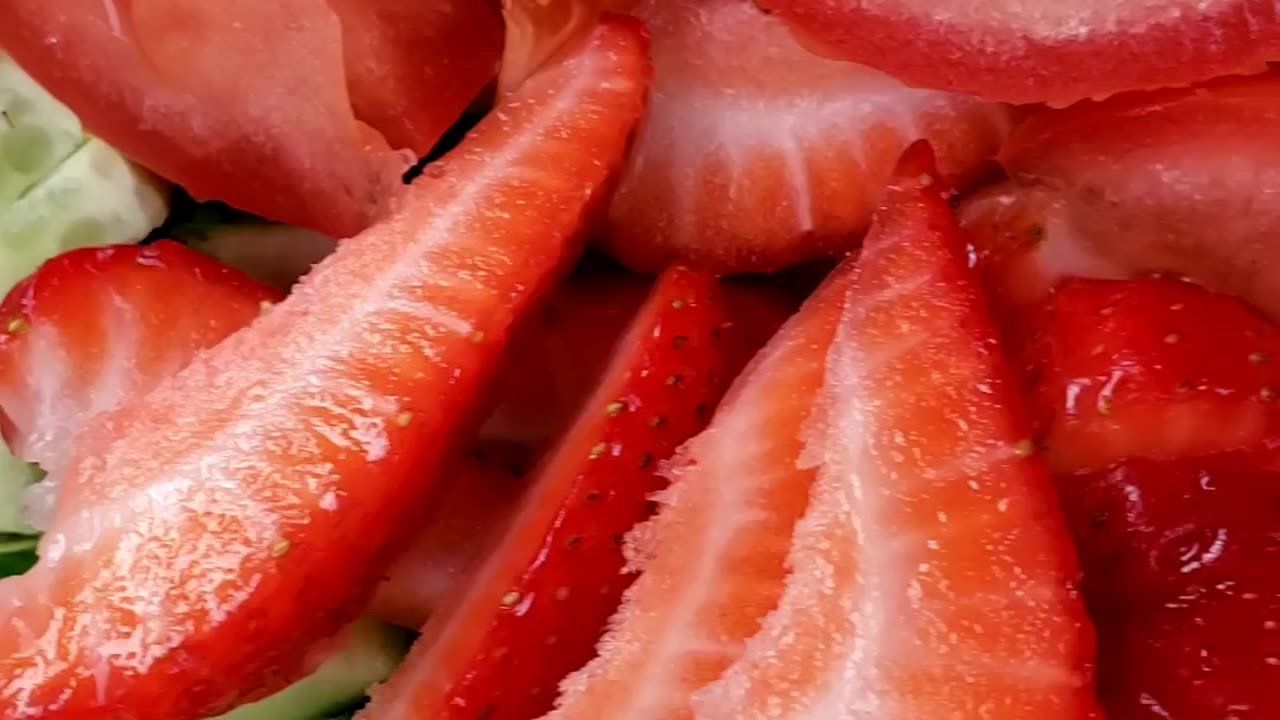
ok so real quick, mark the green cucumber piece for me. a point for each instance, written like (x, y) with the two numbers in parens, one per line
(372, 651)
(95, 197)
(15, 477)
(36, 132)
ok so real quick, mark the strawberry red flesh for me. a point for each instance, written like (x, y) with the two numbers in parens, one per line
(243, 510)
(96, 327)
(1027, 52)
(1179, 562)
(537, 605)
(713, 560)
(932, 575)
(557, 360)
(1175, 182)
(754, 158)
(1151, 368)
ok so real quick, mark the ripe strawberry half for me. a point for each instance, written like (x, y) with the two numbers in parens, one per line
(555, 363)
(1152, 368)
(757, 155)
(1175, 182)
(537, 604)
(243, 510)
(1179, 561)
(932, 575)
(99, 326)
(713, 559)
(1019, 51)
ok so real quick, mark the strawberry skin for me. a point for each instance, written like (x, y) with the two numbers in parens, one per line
(1151, 368)
(1179, 561)
(243, 510)
(95, 327)
(713, 560)
(537, 605)
(759, 155)
(554, 365)
(932, 575)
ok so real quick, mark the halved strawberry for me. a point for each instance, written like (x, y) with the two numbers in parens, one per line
(212, 532)
(413, 66)
(712, 560)
(537, 605)
(1176, 181)
(553, 366)
(458, 527)
(932, 575)
(96, 327)
(1151, 368)
(757, 155)
(1043, 50)
(1179, 561)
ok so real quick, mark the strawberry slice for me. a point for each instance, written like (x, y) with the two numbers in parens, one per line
(1151, 368)
(761, 155)
(1025, 52)
(413, 66)
(537, 605)
(1176, 182)
(553, 366)
(240, 100)
(1179, 562)
(713, 558)
(95, 327)
(461, 524)
(214, 531)
(932, 575)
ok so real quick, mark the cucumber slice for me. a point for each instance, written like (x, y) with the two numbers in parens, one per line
(95, 197)
(15, 476)
(368, 658)
(36, 132)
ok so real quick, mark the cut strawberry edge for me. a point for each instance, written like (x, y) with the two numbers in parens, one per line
(95, 327)
(736, 492)
(932, 575)
(535, 608)
(328, 422)
(1026, 63)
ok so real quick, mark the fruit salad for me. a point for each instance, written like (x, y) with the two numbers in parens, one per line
(639, 360)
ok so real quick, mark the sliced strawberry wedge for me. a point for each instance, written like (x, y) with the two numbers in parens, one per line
(1179, 562)
(713, 558)
(244, 509)
(1151, 368)
(758, 155)
(1176, 182)
(537, 605)
(95, 327)
(1043, 50)
(241, 101)
(555, 364)
(413, 66)
(932, 575)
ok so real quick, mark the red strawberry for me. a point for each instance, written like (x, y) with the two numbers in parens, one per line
(932, 575)
(1179, 562)
(1176, 182)
(757, 155)
(413, 66)
(460, 526)
(214, 531)
(713, 559)
(96, 327)
(1151, 368)
(552, 368)
(1020, 51)
(538, 603)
